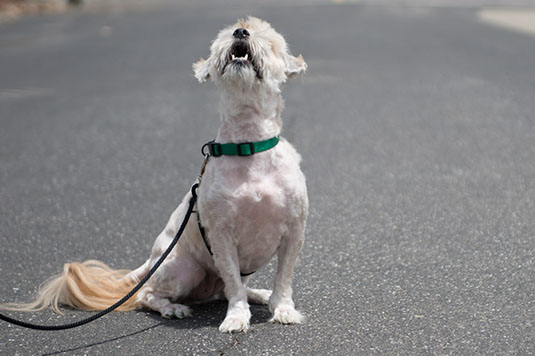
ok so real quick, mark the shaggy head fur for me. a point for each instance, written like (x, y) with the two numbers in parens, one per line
(261, 60)
(249, 71)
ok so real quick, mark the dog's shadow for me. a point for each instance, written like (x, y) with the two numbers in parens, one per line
(208, 315)
(205, 315)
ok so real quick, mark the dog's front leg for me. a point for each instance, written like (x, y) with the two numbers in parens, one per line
(281, 303)
(226, 261)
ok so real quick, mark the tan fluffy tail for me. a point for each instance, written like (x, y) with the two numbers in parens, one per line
(90, 285)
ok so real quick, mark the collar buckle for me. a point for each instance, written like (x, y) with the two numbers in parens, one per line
(245, 148)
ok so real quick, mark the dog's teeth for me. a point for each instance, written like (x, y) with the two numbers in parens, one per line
(244, 58)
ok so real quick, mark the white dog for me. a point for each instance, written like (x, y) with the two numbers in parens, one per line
(251, 207)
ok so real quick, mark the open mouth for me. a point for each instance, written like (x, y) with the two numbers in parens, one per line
(240, 55)
(240, 51)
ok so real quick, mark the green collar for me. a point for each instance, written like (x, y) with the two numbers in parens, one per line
(240, 149)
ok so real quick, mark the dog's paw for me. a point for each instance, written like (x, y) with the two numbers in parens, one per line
(258, 296)
(286, 314)
(175, 310)
(236, 321)
(234, 324)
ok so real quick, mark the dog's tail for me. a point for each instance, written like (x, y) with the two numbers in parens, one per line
(89, 285)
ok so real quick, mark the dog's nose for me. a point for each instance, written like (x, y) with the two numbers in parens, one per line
(241, 33)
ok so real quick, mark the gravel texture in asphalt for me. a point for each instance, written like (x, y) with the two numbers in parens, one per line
(417, 131)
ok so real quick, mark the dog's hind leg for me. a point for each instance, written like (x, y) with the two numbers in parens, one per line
(176, 279)
(281, 303)
(164, 306)
(256, 296)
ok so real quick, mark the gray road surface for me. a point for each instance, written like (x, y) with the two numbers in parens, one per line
(417, 130)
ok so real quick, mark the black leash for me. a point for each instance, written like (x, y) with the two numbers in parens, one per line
(126, 297)
(229, 149)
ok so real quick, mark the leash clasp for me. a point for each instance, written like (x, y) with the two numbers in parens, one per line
(206, 154)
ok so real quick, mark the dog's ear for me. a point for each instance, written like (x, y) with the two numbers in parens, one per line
(202, 70)
(294, 65)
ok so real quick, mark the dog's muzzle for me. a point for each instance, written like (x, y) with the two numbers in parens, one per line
(240, 55)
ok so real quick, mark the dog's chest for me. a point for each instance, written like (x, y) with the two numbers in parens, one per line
(249, 199)
(255, 200)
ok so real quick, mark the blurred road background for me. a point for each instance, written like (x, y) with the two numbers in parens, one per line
(416, 123)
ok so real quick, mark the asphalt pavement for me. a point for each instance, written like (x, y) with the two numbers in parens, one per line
(417, 131)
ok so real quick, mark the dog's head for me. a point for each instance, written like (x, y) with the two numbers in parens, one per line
(249, 53)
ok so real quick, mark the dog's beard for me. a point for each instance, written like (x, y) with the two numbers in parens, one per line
(239, 74)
